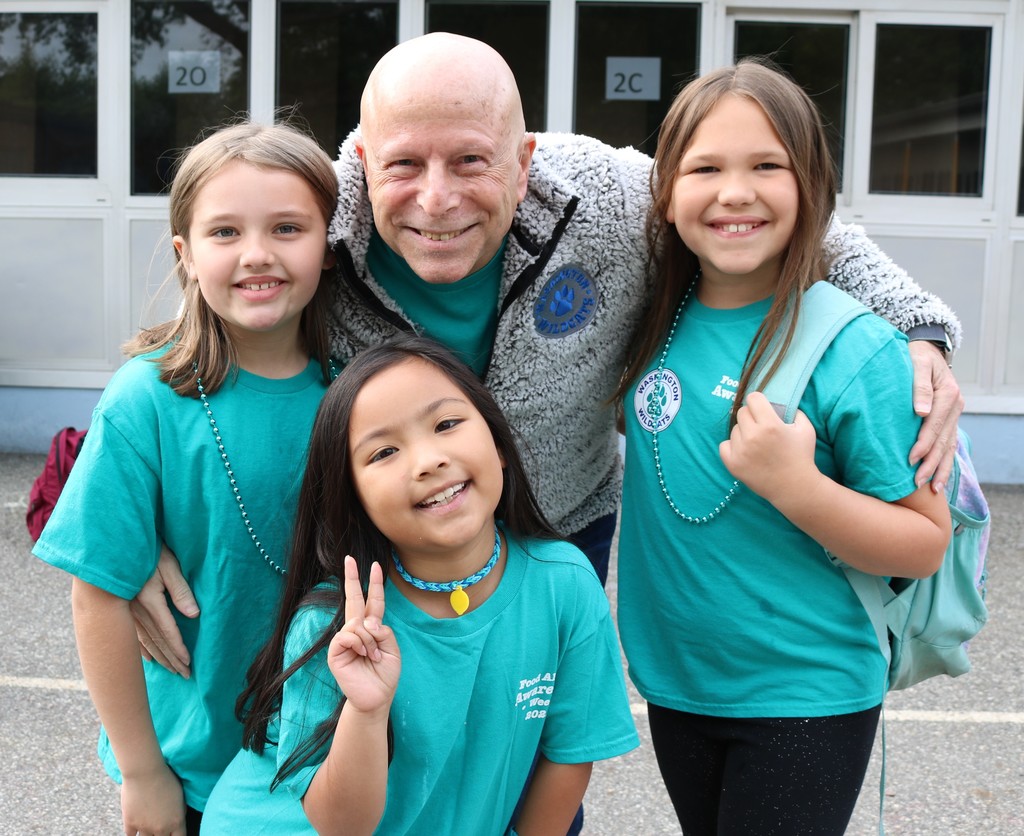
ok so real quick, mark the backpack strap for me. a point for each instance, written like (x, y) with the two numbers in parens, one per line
(824, 311)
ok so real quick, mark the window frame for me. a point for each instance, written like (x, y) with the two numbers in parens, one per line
(40, 190)
(838, 17)
(958, 209)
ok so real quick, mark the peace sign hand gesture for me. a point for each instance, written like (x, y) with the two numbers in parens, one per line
(363, 656)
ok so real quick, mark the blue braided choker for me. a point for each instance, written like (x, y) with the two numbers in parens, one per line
(458, 597)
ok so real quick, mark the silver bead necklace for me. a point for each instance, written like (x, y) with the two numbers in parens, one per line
(231, 474)
(714, 512)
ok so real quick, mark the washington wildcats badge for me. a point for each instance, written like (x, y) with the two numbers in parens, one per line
(656, 402)
(566, 303)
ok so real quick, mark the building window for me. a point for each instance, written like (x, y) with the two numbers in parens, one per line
(631, 60)
(325, 52)
(929, 109)
(48, 95)
(190, 72)
(517, 30)
(816, 55)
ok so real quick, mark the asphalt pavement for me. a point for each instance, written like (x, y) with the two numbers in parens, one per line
(955, 748)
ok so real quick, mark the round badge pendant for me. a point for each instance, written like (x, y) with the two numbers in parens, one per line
(567, 302)
(656, 402)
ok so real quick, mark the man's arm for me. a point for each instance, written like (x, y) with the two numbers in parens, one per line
(861, 269)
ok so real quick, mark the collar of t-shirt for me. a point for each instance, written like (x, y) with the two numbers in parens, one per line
(462, 315)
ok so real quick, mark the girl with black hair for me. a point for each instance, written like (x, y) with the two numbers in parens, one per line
(419, 705)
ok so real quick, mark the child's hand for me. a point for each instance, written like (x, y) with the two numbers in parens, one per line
(772, 458)
(153, 804)
(363, 655)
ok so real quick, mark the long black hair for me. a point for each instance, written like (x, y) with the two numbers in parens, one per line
(332, 523)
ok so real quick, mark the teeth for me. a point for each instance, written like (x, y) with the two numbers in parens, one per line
(440, 236)
(738, 227)
(260, 286)
(445, 496)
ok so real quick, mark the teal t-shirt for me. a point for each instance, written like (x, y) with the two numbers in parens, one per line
(536, 666)
(150, 472)
(462, 315)
(745, 616)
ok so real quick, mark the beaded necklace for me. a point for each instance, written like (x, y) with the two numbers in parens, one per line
(704, 518)
(333, 371)
(458, 598)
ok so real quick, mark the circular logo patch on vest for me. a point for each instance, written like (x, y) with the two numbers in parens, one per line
(656, 403)
(566, 303)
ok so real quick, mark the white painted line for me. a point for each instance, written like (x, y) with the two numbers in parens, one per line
(639, 709)
(42, 684)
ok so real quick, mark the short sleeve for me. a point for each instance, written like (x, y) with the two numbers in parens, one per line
(310, 696)
(589, 716)
(871, 423)
(104, 528)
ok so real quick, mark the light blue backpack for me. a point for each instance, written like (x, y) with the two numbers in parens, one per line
(922, 626)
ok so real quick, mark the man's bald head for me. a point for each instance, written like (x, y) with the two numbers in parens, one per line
(452, 72)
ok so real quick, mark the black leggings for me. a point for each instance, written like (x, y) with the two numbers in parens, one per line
(774, 776)
(193, 820)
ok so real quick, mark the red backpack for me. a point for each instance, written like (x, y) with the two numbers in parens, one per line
(47, 487)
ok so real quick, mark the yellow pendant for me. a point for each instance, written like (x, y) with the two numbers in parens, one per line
(459, 600)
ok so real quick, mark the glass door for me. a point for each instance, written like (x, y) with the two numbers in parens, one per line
(325, 52)
(816, 55)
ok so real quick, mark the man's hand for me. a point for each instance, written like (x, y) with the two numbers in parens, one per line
(158, 633)
(937, 398)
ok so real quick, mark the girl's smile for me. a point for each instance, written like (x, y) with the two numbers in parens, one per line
(446, 499)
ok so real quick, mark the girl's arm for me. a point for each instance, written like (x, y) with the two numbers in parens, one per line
(555, 793)
(151, 796)
(906, 538)
(348, 793)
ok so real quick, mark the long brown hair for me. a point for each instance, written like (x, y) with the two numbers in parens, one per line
(798, 124)
(197, 341)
